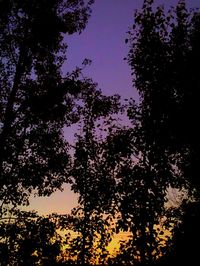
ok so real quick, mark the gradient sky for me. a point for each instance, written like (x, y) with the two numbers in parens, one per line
(103, 41)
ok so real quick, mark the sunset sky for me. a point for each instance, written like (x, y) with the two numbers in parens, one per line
(103, 41)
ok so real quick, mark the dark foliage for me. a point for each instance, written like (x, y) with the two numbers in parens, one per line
(27, 239)
(92, 177)
(35, 101)
(163, 57)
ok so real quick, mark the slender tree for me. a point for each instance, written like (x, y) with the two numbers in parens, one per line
(92, 177)
(145, 171)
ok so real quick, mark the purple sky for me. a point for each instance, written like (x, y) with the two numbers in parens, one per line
(103, 41)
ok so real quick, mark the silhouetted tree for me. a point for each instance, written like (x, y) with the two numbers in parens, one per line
(35, 101)
(91, 176)
(165, 73)
(144, 171)
(163, 57)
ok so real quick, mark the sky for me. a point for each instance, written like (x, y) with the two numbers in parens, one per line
(103, 41)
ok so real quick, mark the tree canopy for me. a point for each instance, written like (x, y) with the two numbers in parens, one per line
(36, 101)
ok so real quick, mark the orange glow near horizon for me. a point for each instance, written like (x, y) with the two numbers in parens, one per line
(59, 202)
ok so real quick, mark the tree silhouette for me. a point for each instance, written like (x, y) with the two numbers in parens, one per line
(91, 176)
(35, 100)
(163, 57)
(144, 170)
(165, 72)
